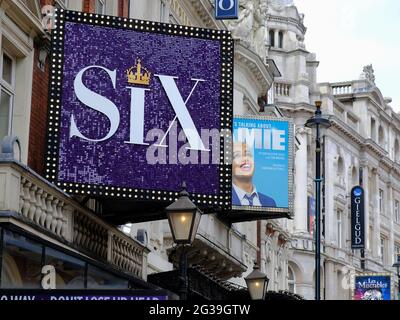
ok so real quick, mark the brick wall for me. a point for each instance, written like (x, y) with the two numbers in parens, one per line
(37, 130)
(89, 6)
(38, 121)
(46, 2)
(123, 8)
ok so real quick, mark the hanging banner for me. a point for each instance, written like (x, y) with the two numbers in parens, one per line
(357, 218)
(372, 287)
(80, 295)
(226, 9)
(137, 108)
(311, 214)
(262, 164)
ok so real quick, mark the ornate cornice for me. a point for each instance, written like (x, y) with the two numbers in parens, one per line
(255, 65)
(287, 20)
(205, 11)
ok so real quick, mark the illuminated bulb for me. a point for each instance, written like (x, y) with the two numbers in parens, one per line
(183, 218)
(257, 284)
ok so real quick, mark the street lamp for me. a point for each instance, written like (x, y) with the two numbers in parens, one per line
(257, 283)
(397, 266)
(319, 122)
(184, 218)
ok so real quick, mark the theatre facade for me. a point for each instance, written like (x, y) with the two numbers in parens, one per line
(65, 226)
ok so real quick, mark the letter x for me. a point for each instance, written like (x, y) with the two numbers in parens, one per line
(181, 112)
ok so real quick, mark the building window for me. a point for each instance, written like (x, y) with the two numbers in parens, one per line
(383, 250)
(70, 271)
(373, 129)
(354, 176)
(22, 262)
(272, 38)
(396, 251)
(7, 92)
(100, 7)
(280, 39)
(381, 201)
(381, 137)
(339, 229)
(291, 281)
(396, 211)
(396, 151)
(100, 279)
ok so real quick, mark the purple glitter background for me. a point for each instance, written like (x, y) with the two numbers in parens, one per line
(112, 162)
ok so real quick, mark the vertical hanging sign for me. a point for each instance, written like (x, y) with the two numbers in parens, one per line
(226, 9)
(357, 218)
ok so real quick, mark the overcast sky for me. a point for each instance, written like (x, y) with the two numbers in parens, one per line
(349, 34)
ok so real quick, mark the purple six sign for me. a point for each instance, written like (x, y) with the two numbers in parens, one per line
(129, 102)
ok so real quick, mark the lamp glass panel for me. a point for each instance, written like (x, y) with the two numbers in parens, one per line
(181, 223)
(256, 288)
(196, 223)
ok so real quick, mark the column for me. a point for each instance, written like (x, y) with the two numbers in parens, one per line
(377, 216)
(329, 181)
(390, 212)
(366, 187)
(330, 278)
(276, 38)
(300, 196)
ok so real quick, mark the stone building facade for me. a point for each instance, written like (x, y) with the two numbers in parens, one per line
(33, 211)
(274, 74)
(361, 147)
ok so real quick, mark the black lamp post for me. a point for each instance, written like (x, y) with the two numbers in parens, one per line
(184, 218)
(318, 121)
(397, 266)
(257, 283)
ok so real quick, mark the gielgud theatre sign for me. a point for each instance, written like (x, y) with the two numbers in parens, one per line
(138, 107)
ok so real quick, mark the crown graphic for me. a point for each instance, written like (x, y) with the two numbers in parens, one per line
(135, 75)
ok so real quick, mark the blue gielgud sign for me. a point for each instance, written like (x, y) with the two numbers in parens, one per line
(226, 9)
(357, 218)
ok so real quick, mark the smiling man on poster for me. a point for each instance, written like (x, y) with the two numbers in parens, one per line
(261, 166)
(244, 192)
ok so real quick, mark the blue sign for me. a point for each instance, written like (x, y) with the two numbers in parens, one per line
(374, 287)
(357, 218)
(261, 163)
(226, 9)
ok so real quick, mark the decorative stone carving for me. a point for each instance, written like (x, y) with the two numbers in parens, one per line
(250, 27)
(260, 29)
(368, 74)
(300, 41)
(242, 27)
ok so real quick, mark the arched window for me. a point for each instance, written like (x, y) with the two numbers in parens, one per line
(272, 38)
(280, 39)
(291, 280)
